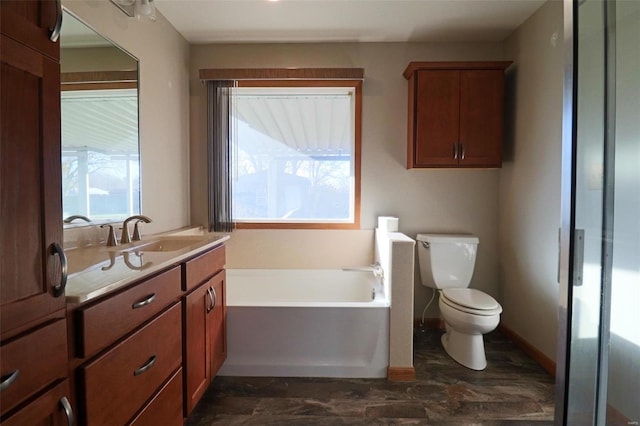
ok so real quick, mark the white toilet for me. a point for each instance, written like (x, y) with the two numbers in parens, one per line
(446, 263)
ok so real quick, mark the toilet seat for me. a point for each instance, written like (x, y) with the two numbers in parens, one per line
(471, 301)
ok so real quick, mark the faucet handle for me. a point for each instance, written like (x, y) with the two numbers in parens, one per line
(136, 231)
(112, 241)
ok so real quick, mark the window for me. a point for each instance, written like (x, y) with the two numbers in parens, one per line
(295, 154)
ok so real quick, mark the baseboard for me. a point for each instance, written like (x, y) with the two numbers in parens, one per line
(545, 362)
(429, 323)
(401, 374)
(616, 418)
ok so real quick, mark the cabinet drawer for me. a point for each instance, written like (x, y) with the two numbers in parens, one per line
(203, 267)
(166, 407)
(103, 323)
(31, 362)
(118, 383)
(51, 408)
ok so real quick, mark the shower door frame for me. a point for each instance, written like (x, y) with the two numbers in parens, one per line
(571, 240)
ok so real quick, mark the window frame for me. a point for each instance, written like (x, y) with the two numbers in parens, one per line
(357, 151)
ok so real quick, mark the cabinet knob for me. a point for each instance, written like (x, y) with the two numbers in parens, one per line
(455, 150)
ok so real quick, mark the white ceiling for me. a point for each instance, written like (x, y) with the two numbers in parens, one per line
(228, 21)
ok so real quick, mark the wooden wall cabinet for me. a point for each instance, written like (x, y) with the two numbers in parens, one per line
(204, 311)
(33, 331)
(456, 114)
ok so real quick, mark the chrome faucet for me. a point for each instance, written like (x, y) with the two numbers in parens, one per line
(112, 241)
(126, 237)
(375, 268)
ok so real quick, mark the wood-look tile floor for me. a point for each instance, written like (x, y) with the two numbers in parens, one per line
(512, 390)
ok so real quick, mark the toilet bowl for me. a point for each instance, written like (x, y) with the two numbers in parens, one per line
(463, 340)
(446, 264)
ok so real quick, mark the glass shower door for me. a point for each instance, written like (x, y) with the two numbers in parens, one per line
(623, 346)
(602, 365)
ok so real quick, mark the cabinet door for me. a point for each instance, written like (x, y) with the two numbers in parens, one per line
(481, 117)
(218, 323)
(31, 23)
(30, 186)
(32, 362)
(52, 408)
(437, 118)
(197, 341)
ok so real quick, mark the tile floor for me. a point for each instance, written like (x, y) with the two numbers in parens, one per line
(512, 390)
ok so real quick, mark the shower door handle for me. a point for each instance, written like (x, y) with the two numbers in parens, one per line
(578, 257)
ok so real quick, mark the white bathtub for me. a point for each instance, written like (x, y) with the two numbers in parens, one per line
(306, 323)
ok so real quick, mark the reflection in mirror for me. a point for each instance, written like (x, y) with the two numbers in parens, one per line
(99, 113)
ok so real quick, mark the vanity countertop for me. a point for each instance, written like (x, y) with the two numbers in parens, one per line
(97, 270)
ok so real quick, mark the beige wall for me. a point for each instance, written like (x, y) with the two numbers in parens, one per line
(529, 214)
(85, 59)
(424, 200)
(164, 106)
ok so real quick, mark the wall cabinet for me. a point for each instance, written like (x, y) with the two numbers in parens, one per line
(33, 332)
(456, 114)
(204, 323)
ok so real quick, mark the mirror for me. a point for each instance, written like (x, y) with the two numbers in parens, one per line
(99, 117)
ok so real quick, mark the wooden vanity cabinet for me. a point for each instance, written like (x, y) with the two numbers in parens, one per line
(99, 325)
(118, 383)
(128, 353)
(204, 323)
(33, 332)
(456, 114)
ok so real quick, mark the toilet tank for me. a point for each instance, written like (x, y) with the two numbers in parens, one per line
(448, 261)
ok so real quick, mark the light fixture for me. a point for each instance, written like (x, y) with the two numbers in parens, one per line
(137, 8)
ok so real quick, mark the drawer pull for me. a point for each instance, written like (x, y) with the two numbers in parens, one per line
(144, 302)
(212, 303)
(215, 297)
(68, 411)
(57, 250)
(54, 32)
(145, 367)
(7, 380)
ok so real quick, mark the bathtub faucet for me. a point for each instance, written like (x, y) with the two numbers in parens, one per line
(375, 268)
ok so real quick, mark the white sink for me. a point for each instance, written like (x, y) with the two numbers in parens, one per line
(162, 244)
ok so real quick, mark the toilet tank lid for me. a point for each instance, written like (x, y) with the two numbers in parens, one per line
(447, 238)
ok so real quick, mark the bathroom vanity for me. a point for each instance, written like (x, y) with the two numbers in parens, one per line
(456, 114)
(146, 325)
